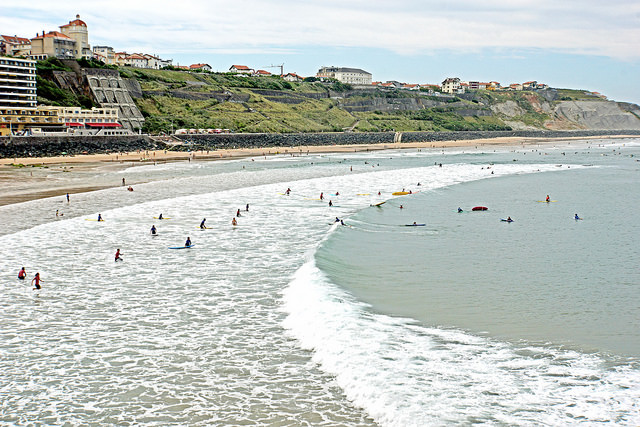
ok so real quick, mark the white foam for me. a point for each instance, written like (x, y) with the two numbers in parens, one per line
(403, 374)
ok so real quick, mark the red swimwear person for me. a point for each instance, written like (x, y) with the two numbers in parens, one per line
(118, 257)
(36, 279)
(22, 274)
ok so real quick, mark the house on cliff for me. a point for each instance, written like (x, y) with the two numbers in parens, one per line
(240, 69)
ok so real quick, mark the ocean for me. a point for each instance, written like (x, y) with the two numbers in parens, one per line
(290, 318)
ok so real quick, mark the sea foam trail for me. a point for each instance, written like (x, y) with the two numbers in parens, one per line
(404, 374)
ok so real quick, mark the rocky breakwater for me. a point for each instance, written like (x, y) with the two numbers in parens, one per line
(258, 140)
(47, 146)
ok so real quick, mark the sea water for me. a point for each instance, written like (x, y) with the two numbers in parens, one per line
(292, 319)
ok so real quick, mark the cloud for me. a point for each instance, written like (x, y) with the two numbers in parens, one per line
(407, 27)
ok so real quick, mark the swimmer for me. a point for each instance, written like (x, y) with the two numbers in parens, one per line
(576, 217)
(401, 207)
(36, 279)
(342, 222)
(118, 257)
(234, 222)
(330, 203)
(459, 209)
(130, 188)
(22, 274)
(337, 219)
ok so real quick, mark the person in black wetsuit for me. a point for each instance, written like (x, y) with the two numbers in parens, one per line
(188, 242)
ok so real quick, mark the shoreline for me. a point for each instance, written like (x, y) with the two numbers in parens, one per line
(24, 186)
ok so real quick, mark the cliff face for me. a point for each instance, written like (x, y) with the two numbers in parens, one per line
(577, 114)
(596, 115)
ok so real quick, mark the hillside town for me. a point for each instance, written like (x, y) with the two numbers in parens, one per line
(20, 113)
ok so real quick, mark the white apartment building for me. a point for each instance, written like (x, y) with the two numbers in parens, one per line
(17, 83)
(353, 76)
(452, 85)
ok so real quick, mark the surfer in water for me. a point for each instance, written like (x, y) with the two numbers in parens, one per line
(100, 217)
(160, 216)
(459, 209)
(576, 217)
(321, 196)
(202, 226)
(153, 230)
(247, 208)
(234, 222)
(337, 219)
(188, 242)
(330, 203)
(22, 274)
(238, 213)
(288, 191)
(547, 199)
(118, 257)
(509, 219)
(342, 222)
(36, 279)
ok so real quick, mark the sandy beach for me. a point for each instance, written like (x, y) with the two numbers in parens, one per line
(32, 178)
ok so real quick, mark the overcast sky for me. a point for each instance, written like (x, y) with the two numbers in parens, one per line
(586, 44)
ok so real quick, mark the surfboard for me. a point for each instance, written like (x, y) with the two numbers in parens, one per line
(480, 208)
(415, 225)
(334, 206)
(546, 201)
(164, 217)
(182, 247)
(379, 204)
(506, 220)
(400, 193)
(363, 194)
(205, 228)
(93, 219)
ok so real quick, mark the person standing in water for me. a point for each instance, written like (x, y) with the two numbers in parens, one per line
(234, 222)
(330, 203)
(100, 217)
(160, 217)
(202, 226)
(22, 274)
(153, 230)
(547, 199)
(321, 196)
(118, 257)
(67, 197)
(238, 213)
(36, 279)
(247, 208)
